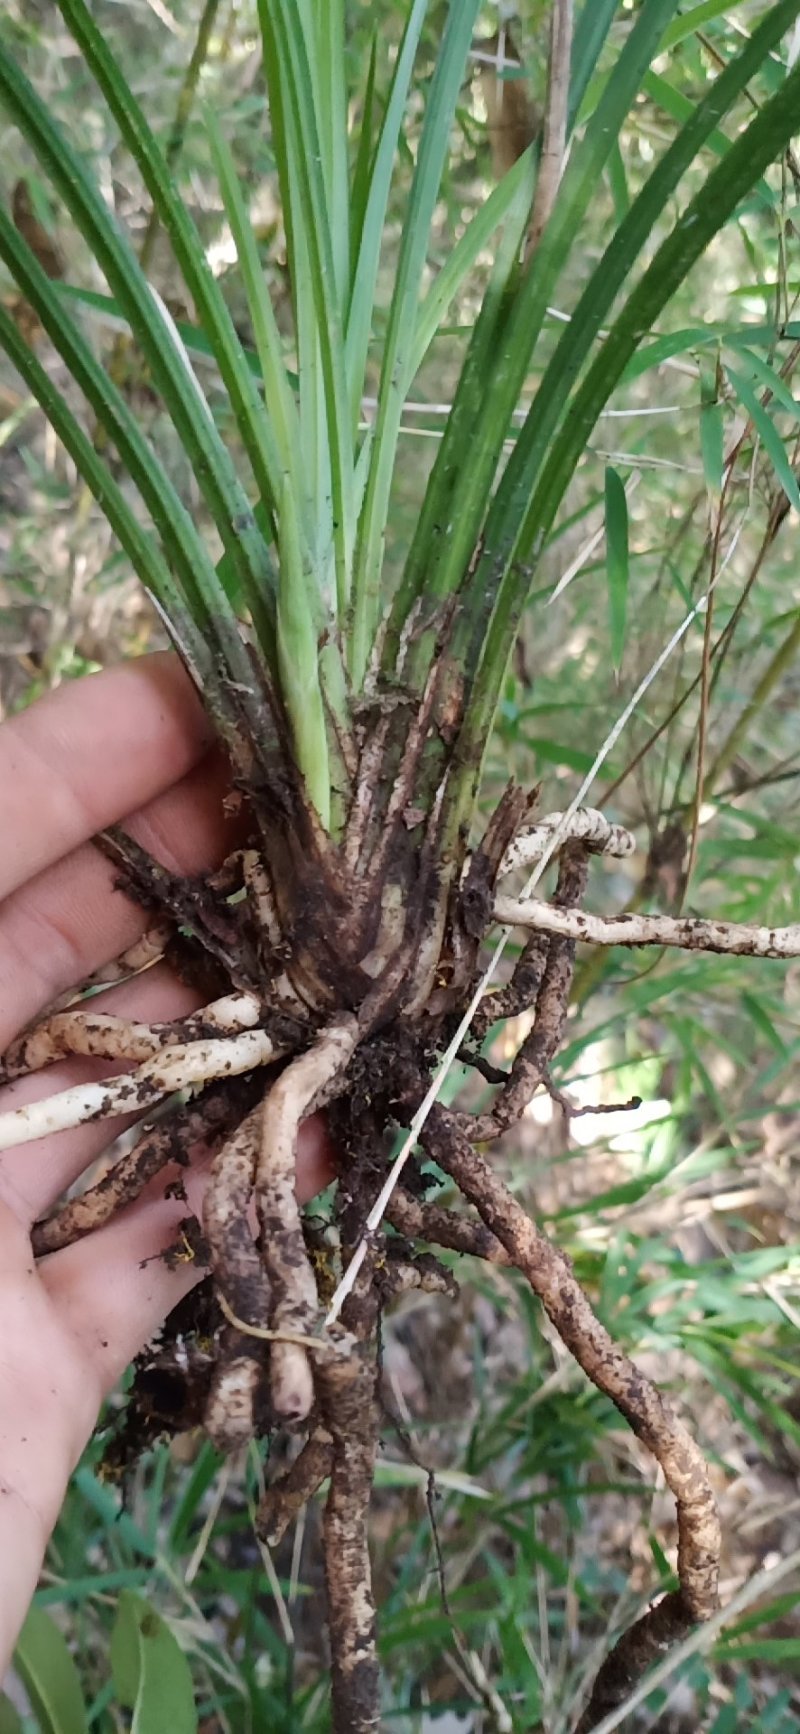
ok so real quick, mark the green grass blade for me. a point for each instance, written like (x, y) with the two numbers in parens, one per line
(617, 562)
(474, 386)
(768, 434)
(282, 447)
(445, 568)
(591, 31)
(186, 243)
(137, 544)
(534, 442)
(288, 66)
(297, 662)
(461, 261)
(365, 272)
(748, 158)
(328, 59)
(168, 513)
(212, 464)
(362, 169)
(696, 18)
(398, 348)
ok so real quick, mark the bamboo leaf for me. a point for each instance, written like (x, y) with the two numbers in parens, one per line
(617, 561)
(768, 434)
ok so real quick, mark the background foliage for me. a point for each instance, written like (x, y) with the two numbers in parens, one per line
(683, 1215)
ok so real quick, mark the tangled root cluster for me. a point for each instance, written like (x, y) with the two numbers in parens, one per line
(317, 1000)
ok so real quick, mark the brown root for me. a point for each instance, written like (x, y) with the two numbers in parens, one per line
(350, 1411)
(351, 965)
(208, 1118)
(648, 1414)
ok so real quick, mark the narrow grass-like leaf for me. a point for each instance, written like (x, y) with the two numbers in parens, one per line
(696, 18)
(362, 168)
(286, 53)
(460, 262)
(591, 31)
(768, 434)
(212, 463)
(617, 561)
(194, 591)
(680, 108)
(705, 215)
(187, 246)
(282, 447)
(398, 347)
(297, 661)
(471, 496)
(327, 59)
(365, 268)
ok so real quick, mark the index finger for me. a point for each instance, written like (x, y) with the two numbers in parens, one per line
(89, 754)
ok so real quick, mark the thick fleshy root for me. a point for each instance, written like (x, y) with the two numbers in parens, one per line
(686, 932)
(185, 1066)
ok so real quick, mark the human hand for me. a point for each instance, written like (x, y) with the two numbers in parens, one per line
(132, 740)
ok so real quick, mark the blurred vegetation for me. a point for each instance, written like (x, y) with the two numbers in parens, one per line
(682, 1216)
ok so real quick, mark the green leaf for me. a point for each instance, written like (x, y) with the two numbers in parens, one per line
(315, 251)
(10, 1720)
(376, 196)
(50, 1676)
(151, 1674)
(708, 211)
(149, 320)
(696, 18)
(617, 561)
(197, 274)
(712, 431)
(768, 434)
(399, 343)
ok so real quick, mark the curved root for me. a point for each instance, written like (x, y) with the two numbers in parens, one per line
(294, 1301)
(207, 1118)
(648, 1414)
(178, 1068)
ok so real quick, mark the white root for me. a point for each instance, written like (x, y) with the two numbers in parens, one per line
(689, 932)
(290, 1275)
(104, 1036)
(586, 826)
(179, 1068)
